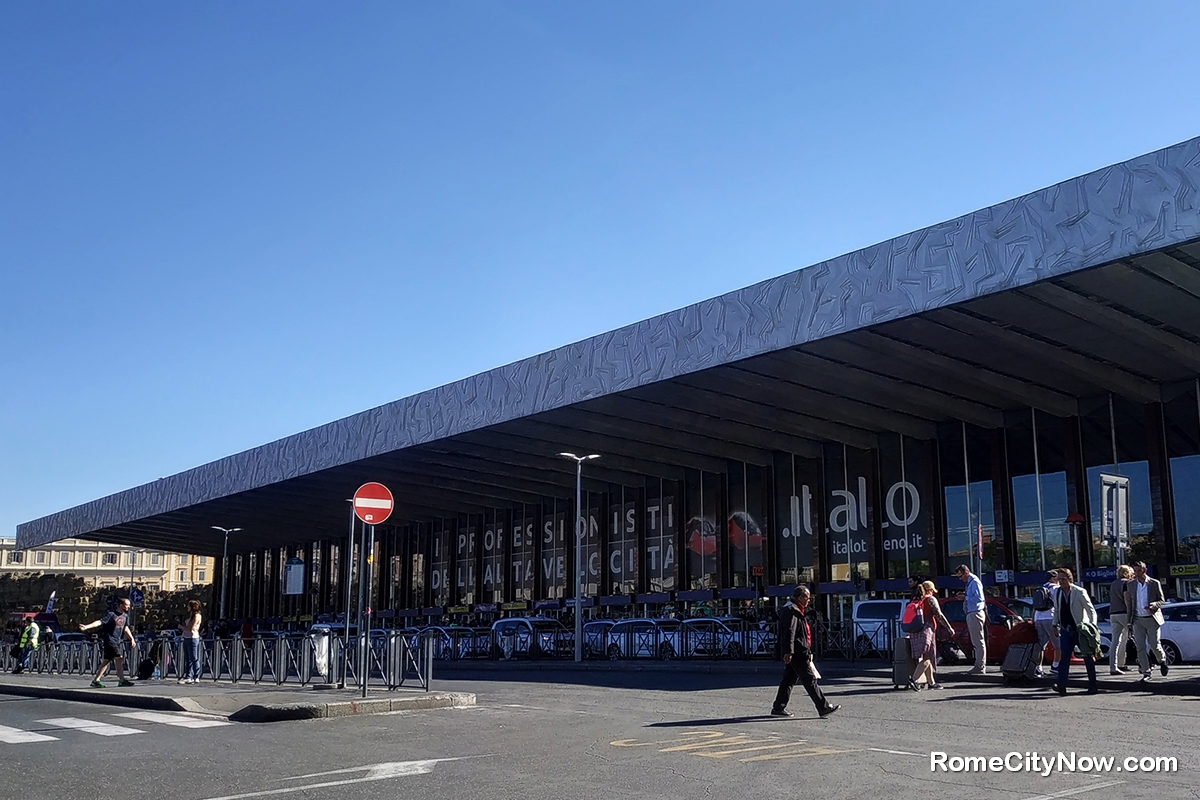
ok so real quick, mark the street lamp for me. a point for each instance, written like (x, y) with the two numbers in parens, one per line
(580, 528)
(224, 564)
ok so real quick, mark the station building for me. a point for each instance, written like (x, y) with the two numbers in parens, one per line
(954, 395)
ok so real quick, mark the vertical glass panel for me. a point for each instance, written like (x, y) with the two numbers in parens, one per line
(660, 535)
(464, 559)
(415, 534)
(1022, 469)
(1182, 419)
(904, 475)
(442, 545)
(554, 549)
(798, 511)
(1052, 461)
(848, 473)
(522, 569)
(700, 533)
(494, 534)
(756, 523)
(1126, 422)
(594, 502)
(982, 498)
(736, 539)
(622, 560)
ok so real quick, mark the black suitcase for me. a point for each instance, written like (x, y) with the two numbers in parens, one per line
(902, 663)
(1020, 663)
(145, 670)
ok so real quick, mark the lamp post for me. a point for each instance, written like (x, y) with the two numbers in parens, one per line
(224, 564)
(580, 529)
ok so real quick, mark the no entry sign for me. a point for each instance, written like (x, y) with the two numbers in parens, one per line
(373, 503)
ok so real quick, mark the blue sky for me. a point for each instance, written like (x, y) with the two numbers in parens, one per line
(224, 223)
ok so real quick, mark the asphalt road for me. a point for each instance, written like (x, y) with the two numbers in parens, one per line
(656, 735)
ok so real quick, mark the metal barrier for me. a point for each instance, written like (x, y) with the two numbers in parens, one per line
(392, 661)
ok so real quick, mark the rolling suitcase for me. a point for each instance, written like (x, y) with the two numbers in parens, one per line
(1020, 663)
(902, 663)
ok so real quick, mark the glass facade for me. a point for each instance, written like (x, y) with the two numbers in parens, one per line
(1020, 498)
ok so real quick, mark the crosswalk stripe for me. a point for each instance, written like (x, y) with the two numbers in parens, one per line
(17, 736)
(179, 720)
(90, 726)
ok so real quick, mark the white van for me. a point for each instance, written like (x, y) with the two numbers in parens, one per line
(877, 625)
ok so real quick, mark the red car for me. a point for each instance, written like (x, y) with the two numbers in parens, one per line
(1004, 628)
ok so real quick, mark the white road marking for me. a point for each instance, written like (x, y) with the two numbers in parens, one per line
(374, 772)
(17, 736)
(178, 720)
(893, 752)
(90, 726)
(371, 502)
(1080, 790)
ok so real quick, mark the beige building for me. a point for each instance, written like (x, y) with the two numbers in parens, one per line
(109, 565)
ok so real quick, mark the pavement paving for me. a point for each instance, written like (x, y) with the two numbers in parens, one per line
(617, 734)
(244, 702)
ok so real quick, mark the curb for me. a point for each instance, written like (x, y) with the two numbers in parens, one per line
(292, 711)
(108, 697)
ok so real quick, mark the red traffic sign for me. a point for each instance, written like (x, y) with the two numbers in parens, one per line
(373, 503)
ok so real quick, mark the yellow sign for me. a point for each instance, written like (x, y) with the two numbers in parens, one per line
(458, 609)
(1183, 570)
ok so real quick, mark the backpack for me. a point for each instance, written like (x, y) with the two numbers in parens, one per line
(1042, 599)
(913, 620)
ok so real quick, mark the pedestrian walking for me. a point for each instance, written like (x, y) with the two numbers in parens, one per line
(114, 626)
(795, 638)
(1043, 618)
(28, 642)
(1143, 599)
(1118, 617)
(922, 642)
(1075, 620)
(191, 644)
(975, 607)
(943, 630)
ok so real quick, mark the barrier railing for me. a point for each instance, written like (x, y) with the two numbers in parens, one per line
(391, 660)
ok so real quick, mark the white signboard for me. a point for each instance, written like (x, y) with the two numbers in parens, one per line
(293, 576)
(1114, 510)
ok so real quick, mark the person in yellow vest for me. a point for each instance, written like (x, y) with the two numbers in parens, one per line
(28, 643)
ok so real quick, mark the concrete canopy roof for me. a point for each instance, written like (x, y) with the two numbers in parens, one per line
(1088, 286)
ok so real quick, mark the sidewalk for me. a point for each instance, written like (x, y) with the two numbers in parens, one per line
(241, 702)
(1182, 681)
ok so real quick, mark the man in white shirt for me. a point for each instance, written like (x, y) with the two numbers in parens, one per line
(975, 607)
(1143, 599)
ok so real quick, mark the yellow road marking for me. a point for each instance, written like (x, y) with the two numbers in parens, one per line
(727, 753)
(811, 751)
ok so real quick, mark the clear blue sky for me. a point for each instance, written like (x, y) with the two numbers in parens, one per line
(224, 223)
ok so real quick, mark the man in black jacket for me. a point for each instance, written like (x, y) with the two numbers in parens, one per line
(795, 639)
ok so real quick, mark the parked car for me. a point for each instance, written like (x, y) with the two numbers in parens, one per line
(1180, 632)
(644, 638)
(710, 637)
(758, 639)
(1004, 627)
(595, 637)
(530, 636)
(876, 623)
(1021, 606)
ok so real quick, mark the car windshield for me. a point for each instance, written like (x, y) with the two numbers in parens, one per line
(548, 625)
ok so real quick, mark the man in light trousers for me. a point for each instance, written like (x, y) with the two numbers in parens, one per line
(1143, 599)
(1118, 617)
(976, 610)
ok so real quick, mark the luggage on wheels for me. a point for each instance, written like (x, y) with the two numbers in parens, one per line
(1020, 663)
(902, 663)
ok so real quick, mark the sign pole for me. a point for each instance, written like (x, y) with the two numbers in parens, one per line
(349, 579)
(372, 504)
(364, 630)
